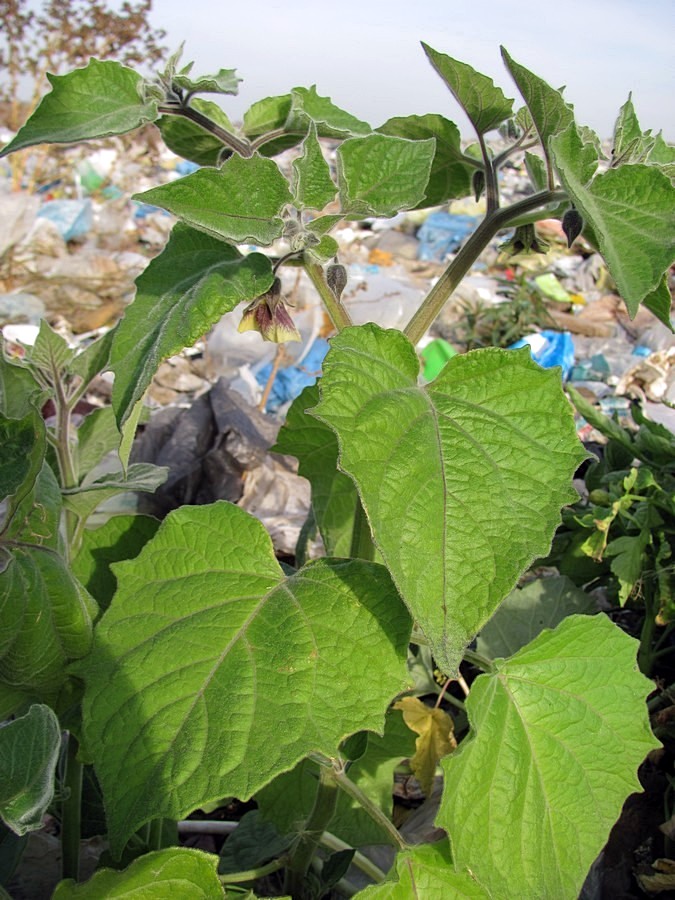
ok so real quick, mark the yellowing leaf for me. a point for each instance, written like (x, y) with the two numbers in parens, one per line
(436, 740)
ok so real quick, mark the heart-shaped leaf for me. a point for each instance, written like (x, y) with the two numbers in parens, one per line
(212, 672)
(558, 732)
(462, 480)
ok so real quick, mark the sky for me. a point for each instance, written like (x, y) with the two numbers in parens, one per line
(366, 56)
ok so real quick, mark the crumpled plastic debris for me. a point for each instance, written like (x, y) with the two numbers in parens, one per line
(73, 218)
(549, 349)
(443, 233)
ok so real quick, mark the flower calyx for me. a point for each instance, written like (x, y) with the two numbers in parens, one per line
(524, 240)
(572, 224)
(269, 316)
(336, 278)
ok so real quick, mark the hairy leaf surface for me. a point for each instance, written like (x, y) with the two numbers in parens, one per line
(462, 480)
(189, 286)
(450, 170)
(175, 872)
(313, 187)
(549, 111)
(29, 751)
(380, 175)
(240, 201)
(632, 212)
(570, 702)
(426, 871)
(99, 100)
(482, 101)
(204, 629)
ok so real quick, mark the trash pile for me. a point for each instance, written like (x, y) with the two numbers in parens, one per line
(71, 249)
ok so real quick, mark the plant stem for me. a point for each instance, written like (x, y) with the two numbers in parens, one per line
(338, 314)
(334, 844)
(491, 187)
(437, 297)
(154, 840)
(253, 874)
(373, 811)
(70, 813)
(303, 852)
(477, 659)
(362, 546)
(243, 148)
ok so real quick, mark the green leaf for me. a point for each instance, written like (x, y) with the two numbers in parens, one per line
(182, 293)
(203, 630)
(451, 171)
(96, 437)
(19, 391)
(527, 611)
(130, 418)
(441, 471)
(549, 111)
(289, 799)
(225, 81)
(482, 101)
(313, 188)
(239, 202)
(266, 115)
(93, 359)
(663, 155)
(83, 500)
(23, 445)
(630, 143)
(610, 428)
(631, 211)
(326, 249)
(659, 303)
(379, 175)
(120, 538)
(46, 620)
(189, 140)
(536, 169)
(97, 101)
(315, 446)
(628, 562)
(322, 224)
(176, 872)
(253, 843)
(50, 353)
(426, 871)
(572, 702)
(29, 751)
(331, 121)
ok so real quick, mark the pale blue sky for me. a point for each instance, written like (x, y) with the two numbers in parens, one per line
(366, 55)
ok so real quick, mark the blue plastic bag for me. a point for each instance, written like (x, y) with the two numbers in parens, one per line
(73, 218)
(289, 383)
(442, 233)
(550, 348)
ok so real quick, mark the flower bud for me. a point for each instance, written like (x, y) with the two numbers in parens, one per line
(524, 240)
(336, 276)
(478, 183)
(572, 225)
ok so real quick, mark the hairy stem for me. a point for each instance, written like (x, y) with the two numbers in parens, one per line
(243, 148)
(491, 187)
(70, 813)
(303, 852)
(253, 874)
(338, 314)
(440, 293)
(477, 659)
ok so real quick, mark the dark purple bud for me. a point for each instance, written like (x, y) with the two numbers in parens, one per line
(572, 225)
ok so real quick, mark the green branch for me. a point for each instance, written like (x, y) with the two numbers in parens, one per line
(440, 293)
(243, 148)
